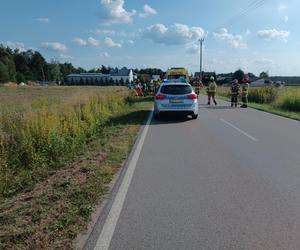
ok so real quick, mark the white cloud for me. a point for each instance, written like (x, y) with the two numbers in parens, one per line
(111, 32)
(286, 19)
(80, 41)
(43, 20)
(90, 41)
(105, 55)
(65, 57)
(173, 35)
(148, 10)
(105, 32)
(54, 46)
(110, 43)
(93, 42)
(127, 34)
(192, 48)
(282, 7)
(113, 12)
(236, 41)
(263, 61)
(274, 34)
(14, 45)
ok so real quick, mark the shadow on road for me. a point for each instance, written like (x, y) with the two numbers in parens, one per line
(140, 117)
(170, 119)
(219, 107)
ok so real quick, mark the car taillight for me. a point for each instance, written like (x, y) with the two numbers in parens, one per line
(160, 97)
(192, 96)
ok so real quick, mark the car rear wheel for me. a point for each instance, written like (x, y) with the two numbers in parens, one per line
(156, 116)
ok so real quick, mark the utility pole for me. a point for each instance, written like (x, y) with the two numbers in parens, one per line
(201, 57)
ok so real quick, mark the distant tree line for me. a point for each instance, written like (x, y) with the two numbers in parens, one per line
(22, 66)
(99, 82)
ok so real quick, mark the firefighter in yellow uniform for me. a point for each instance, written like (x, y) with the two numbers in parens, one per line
(245, 91)
(211, 90)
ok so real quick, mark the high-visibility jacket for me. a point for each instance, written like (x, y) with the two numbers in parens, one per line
(245, 89)
(212, 87)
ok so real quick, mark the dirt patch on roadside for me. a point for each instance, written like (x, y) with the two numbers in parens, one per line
(59, 208)
(47, 196)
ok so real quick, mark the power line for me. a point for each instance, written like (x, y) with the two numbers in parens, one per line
(251, 7)
(254, 6)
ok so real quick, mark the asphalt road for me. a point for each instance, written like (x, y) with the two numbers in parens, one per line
(229, 180)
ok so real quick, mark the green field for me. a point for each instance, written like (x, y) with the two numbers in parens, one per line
(59, 149)
(281, 101)
(24, 98)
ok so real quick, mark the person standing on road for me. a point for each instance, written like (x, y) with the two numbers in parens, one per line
(211, 90)
(245, 91)
(139, 91)
(197, 87)
(235, 90)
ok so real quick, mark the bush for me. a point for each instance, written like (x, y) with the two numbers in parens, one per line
(265, 95)
(290, 103)
(35, 143)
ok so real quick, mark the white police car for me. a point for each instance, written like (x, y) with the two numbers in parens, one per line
(176, 97)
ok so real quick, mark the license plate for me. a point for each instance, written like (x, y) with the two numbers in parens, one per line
(176, 101)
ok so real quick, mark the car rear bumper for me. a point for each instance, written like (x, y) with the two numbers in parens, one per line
(189, 110)
(176, 113)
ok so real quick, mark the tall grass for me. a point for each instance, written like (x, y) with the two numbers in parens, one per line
(289, 100)
(36, 142)
(263, 95)
(256, 95)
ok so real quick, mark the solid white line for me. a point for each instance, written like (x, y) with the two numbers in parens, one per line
(108, 229)
(241, 131)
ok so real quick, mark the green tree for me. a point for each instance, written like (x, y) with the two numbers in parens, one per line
(7, 59)
(239, 75)
(105, 70)
(264, 75)
(38, 66)
(54, 71)
(251, 75)
(20, 77)
(4, 76)
(22, 61)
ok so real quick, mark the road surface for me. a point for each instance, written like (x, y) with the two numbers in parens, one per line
(229, 180)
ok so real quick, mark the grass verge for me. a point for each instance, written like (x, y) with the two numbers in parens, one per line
(52, 214)
(284, 102)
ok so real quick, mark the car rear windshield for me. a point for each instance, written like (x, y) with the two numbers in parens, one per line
(176, 89)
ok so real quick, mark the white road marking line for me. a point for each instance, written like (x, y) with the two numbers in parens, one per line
(207, 110)
(108, 229)
(241, 131)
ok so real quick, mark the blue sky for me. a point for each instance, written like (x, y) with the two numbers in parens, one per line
(255, 35)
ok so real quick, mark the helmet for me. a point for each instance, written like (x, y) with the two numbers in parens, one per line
(235, 81)
(211, 78)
